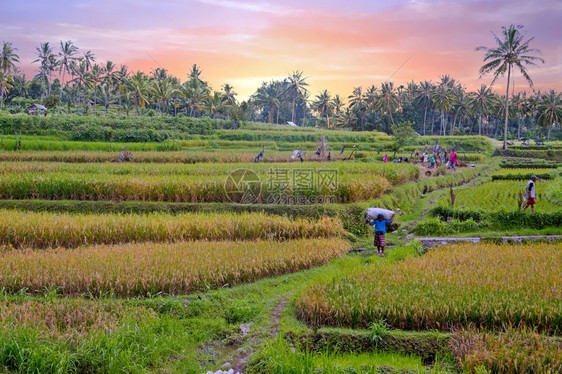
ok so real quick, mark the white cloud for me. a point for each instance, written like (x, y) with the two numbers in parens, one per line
(256, 7)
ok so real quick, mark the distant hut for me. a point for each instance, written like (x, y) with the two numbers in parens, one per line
(36, 110)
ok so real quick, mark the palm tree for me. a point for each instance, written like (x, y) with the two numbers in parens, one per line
(345, 119)
(139, 84)
(296, 88)
(481, 102)
(459, 109)
(6, 84)
(228, 98)
(338, 104)
(121, 77)
(195, 94)
(324, 106)
(48, 63)
(195, 73)
(358, 105)
(8, 59)
(268, 97)
(20, 86)
(388, 100)
(96, 77)
(214, 104)
(163, 90)
(443, 98)
(66, 54)
(423, 98)
(510, 52)
(88, 59)
(518, 105)
(549, 110)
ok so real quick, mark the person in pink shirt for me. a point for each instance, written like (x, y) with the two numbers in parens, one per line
(385, 158)
(453, 159)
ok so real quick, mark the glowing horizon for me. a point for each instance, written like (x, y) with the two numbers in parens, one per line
(337, 45)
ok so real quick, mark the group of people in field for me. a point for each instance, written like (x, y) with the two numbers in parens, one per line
(450, 159)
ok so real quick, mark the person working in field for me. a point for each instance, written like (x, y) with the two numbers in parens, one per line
(530, 194)
(380, 229)
(453, 159)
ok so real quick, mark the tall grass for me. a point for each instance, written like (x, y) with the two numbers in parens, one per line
(486, 285)
(143, 269)
(42, 230)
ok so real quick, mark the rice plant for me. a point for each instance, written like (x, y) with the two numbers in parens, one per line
(485, 285)
(43, 230)
(141, 269)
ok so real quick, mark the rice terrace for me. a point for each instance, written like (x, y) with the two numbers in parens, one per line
(154, 220)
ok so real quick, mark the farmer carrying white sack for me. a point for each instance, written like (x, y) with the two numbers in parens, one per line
(380, 226)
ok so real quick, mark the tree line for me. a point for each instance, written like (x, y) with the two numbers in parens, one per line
(73, 81)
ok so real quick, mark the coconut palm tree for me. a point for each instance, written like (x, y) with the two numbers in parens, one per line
(121, 77)
(269, 97)
(6, 84)
(459, 109)
(66, 54)
(345, 119)
(296, 88)
(518, 105)
(510, 52)
(139, 84)
(163, 90)
(358, 106)
(338, 104)
(549, 110)
(8, 59)
(423, 98)
(88, 59)
(481, 102)
(82, 79)
(195, 93)
(214, 104)
(48, 64)
(443, 98)
(388, 100)
(324, 106)
(228, 98)
(96, 77)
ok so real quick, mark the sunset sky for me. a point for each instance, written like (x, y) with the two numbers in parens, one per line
(337, 44)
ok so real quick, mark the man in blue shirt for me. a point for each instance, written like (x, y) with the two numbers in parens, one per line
(380, 229)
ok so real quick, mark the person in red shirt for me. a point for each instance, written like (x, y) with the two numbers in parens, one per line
(453, 159)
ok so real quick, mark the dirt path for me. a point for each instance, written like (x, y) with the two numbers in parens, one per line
(241, 360)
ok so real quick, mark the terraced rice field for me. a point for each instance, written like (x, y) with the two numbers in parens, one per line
(502, 195)
(340, 182)
(142, 269)
(43, 230)
(463, 285)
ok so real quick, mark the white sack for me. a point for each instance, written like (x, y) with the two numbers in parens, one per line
(373, 213)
